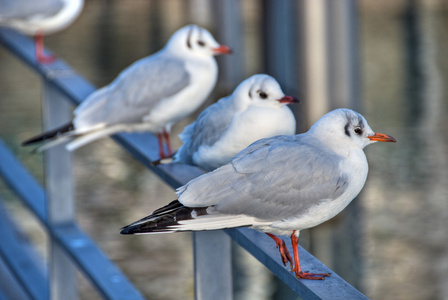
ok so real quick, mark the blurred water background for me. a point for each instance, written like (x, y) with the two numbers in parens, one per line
(402, 221)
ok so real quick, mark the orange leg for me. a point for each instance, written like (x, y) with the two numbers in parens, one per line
(281, 246)
(41, 57)
(297, 269)
(161, 150)
(166, 135)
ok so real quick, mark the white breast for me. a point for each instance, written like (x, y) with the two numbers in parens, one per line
(356, 168)
(246, 127)
(50, 24)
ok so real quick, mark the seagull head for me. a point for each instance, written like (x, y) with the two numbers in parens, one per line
(197, 41)
(262, 90)
(347, 127)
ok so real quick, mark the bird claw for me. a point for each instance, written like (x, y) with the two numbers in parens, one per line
(281, 246)
(284, 253)
(46, 59)
(286, 258)
(311, 276)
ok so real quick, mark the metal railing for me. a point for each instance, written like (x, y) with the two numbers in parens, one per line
(72, 249)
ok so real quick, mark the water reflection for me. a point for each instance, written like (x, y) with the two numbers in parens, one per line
(406, 197)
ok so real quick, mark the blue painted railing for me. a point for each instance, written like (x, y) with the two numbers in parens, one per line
(106, 277)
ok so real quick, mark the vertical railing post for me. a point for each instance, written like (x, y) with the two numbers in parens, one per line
(60, 197)
(279, 36)
(314, 60)
(212, 250)
(330, 79)
(330, 61)
(229, 27)
(212, 265)
(343, 54)
(280, 27)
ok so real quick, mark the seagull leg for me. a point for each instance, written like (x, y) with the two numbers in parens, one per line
(161, 150)
(40, 55)
(166, 135)
(297, 269)
(281, 246)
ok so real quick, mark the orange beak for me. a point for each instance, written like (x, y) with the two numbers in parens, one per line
(379, 137)
(222, 50)
(288, 99)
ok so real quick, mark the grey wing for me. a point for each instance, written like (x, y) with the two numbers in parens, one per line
(274, 182)
(130, 97)
(257, 151)
(211, 188)
(25, 9)
(207, 129)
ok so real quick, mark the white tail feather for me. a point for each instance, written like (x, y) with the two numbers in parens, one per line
(90, 137)
(213, 221)
(53, 143)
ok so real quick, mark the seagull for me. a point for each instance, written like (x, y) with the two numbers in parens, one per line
(256, 109)
(278, 185)
(150, 95)
(39, 18)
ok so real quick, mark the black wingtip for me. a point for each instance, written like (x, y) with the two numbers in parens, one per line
(126, 230)
(31, 141)
(164, 219)
(49, 134)
(147, 227)
(137, 229)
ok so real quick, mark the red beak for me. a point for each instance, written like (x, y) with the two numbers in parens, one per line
(379, 137)
(222, 50)
(288, 99)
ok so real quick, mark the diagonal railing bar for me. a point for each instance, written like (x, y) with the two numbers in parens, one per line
(143, 147)
(21, 258)
(108, 279)
(262, 248)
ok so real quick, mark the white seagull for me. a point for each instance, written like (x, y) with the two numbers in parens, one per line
(277, 185)
(39, 18)
(150, 95)
(256, 109)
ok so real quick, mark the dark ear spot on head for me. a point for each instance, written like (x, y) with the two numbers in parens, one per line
(360, 122)
(347, 132)
(189, 38)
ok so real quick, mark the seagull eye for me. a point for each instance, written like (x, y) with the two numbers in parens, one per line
(263, 95)
(358, 130)
(201, 43)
